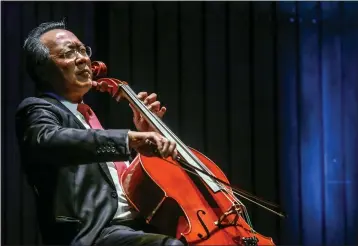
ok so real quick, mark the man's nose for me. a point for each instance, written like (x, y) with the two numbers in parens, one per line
(80, 59)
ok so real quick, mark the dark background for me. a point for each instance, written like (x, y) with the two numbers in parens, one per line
(267, 90)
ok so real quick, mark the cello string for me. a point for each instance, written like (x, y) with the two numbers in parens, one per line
(246, 214)
(247, 217)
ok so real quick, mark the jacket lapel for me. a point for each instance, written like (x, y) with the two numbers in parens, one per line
(72, 117)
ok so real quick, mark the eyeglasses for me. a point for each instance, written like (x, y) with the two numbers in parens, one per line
(73, 53)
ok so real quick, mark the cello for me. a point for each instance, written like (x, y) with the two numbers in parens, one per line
(188, 198)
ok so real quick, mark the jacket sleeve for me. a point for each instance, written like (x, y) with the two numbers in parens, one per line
(43, 139)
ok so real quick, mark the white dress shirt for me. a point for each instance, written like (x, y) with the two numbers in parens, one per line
(124, 211)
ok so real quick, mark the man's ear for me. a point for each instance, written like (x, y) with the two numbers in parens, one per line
(49, 71)
(41, 70)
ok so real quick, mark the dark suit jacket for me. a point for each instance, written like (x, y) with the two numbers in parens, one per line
(65, 163)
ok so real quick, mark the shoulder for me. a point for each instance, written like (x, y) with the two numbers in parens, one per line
(30, 101)
(39, 107)
(33, 102)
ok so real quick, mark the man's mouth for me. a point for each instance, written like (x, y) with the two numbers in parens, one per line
(84, 76)
(84, 72)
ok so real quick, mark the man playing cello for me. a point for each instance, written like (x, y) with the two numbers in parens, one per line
(72, 165)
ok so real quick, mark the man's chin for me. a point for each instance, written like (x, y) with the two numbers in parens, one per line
(84, 84)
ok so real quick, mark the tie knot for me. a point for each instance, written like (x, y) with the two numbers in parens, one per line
(89, 115)
(85, 110)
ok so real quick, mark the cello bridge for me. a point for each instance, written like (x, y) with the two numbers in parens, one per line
(236, 210)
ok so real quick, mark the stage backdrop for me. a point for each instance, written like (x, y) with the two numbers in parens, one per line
(267, 90)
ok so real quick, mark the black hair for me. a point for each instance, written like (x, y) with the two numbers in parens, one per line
(36, 53)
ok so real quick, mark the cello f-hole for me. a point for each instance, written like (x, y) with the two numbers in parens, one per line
(203, 224)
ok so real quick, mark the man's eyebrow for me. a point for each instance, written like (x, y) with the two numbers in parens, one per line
(69, 43)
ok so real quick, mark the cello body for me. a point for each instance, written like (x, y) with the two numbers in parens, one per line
(175, 200)
(182, 207)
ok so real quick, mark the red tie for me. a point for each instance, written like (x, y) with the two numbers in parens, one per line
(94, 123)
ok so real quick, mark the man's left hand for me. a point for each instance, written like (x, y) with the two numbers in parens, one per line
(153, 105)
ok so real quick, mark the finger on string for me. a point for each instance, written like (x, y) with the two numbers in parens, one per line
(142, 95)
(171, 148)
(161, 112)
(154, 106)
(153, 148)
(165, 150)
(150, 99)
(175, 154)
(157, 139)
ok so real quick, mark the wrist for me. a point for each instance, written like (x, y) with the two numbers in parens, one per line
(132, 138)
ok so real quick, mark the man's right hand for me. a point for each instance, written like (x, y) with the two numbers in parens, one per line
(146, 143)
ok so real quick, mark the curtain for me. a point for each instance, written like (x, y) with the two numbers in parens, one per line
(267, 90)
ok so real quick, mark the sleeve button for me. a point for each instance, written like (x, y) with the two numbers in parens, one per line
(114, 194)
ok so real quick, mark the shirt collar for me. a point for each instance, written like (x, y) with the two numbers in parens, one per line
(71, 106)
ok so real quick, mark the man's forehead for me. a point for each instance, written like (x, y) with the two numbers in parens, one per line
(59, 37)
